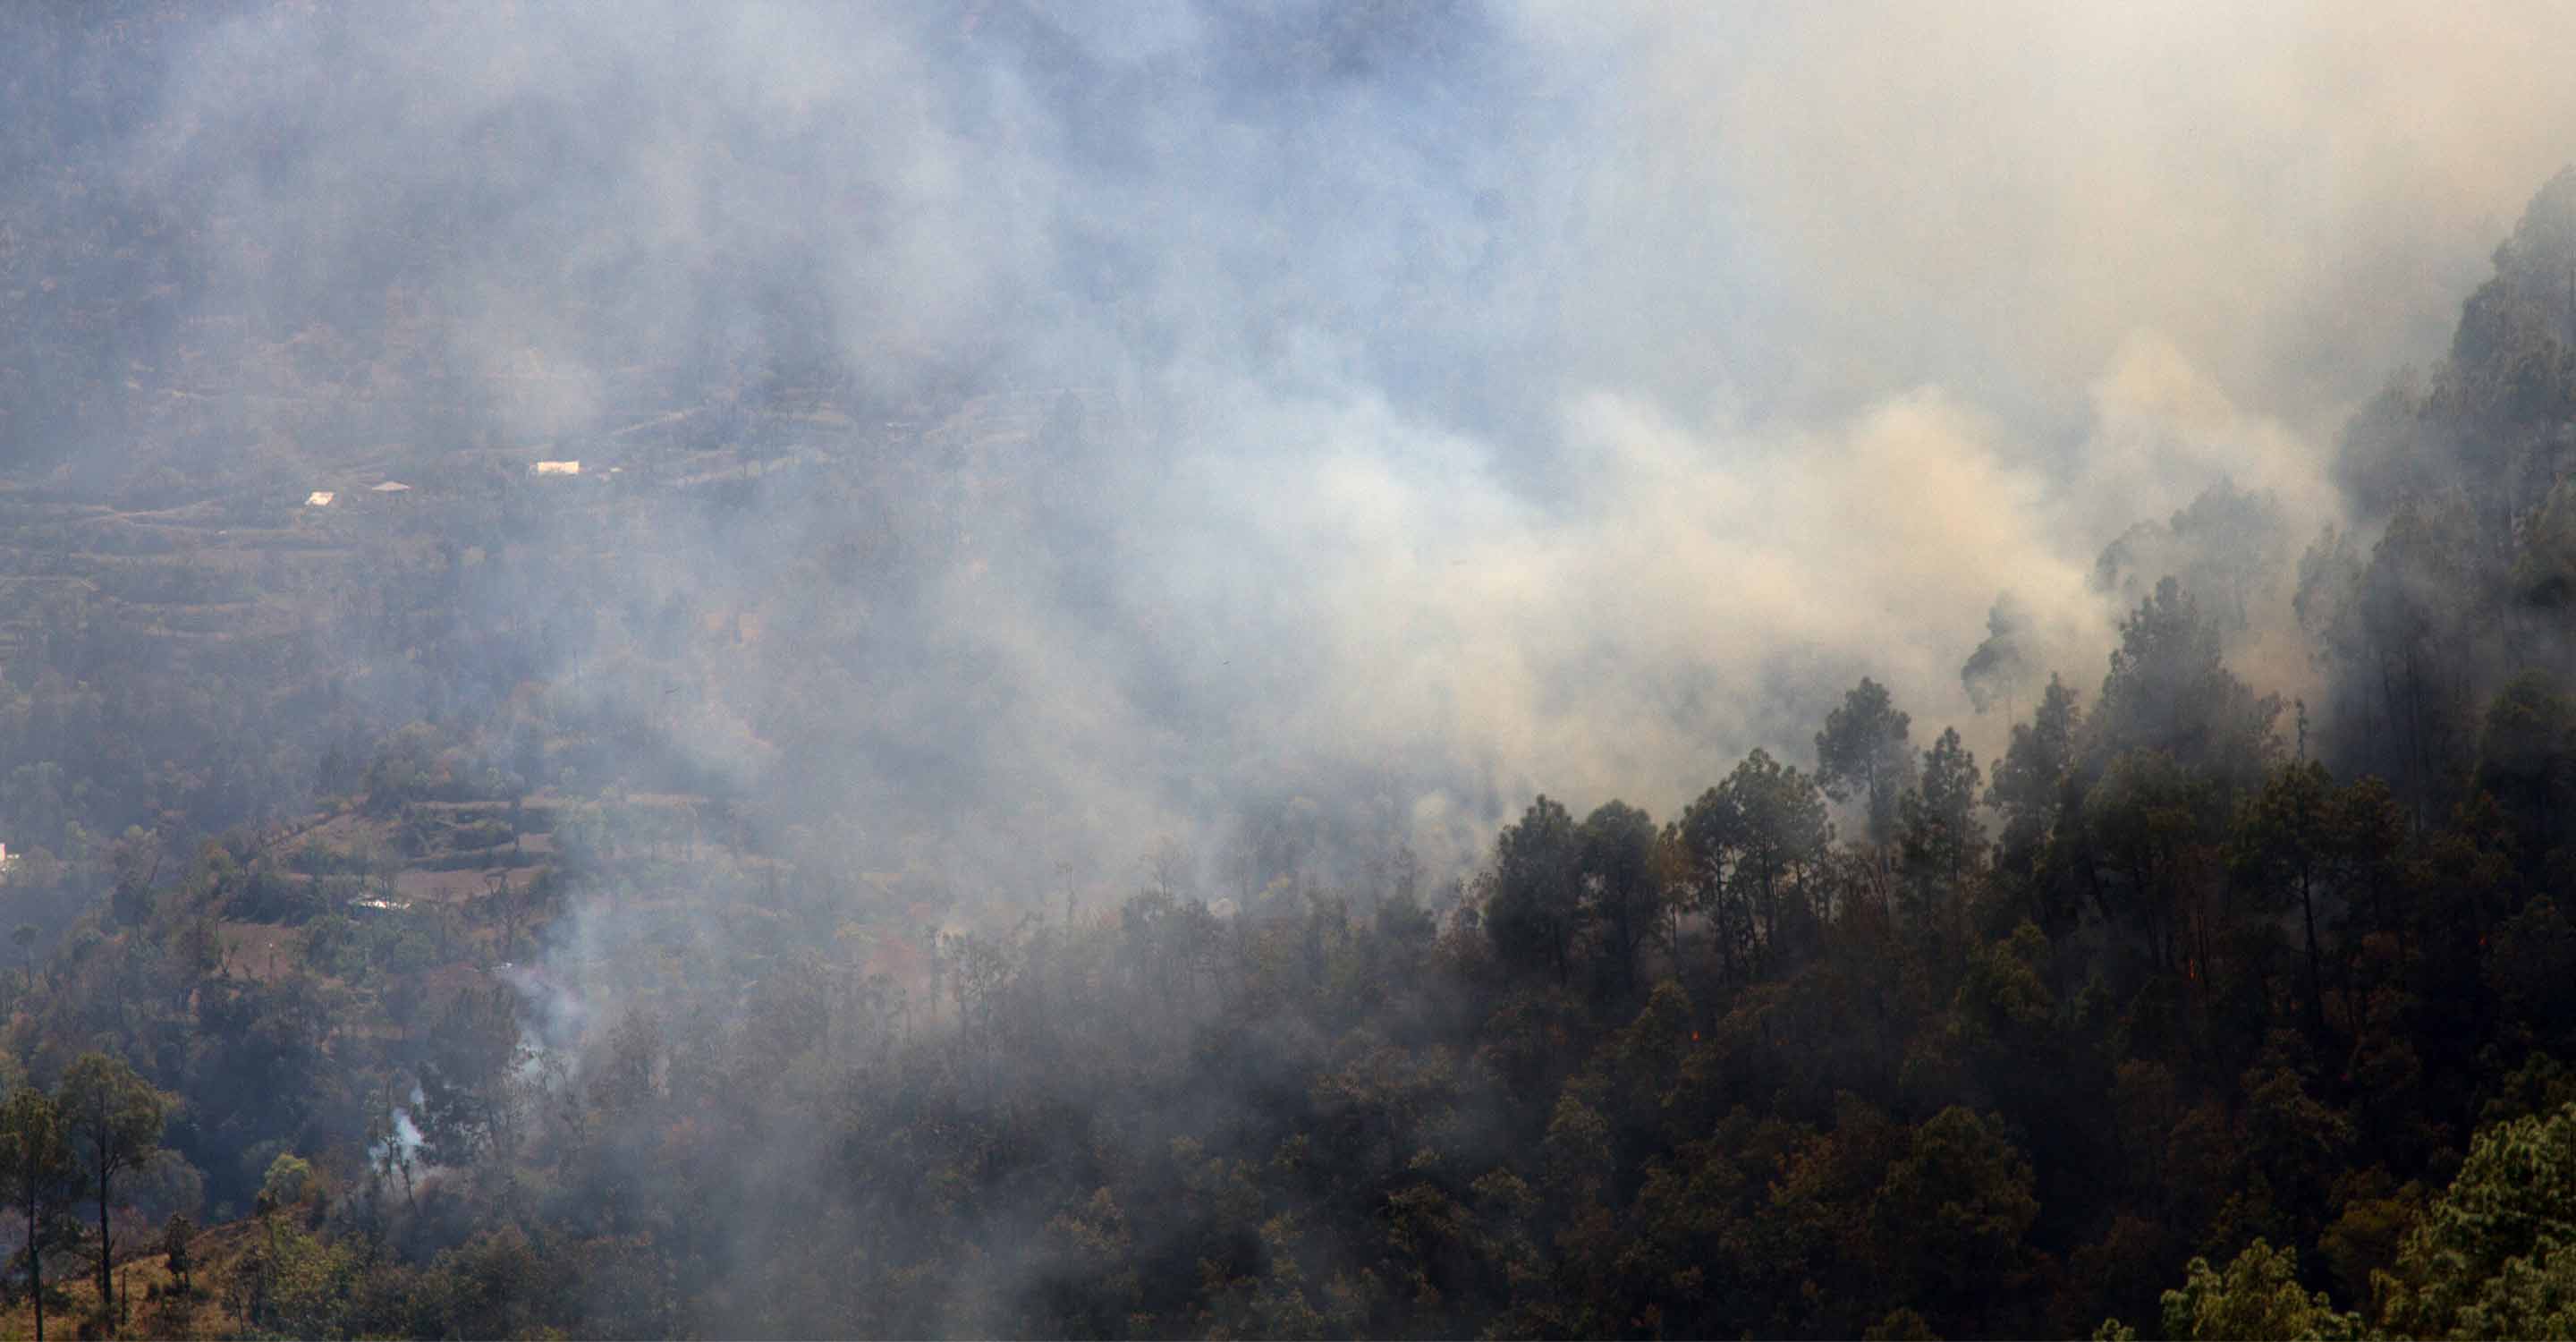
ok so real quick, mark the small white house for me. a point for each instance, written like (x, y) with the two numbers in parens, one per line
(393, 487)
(320, 498)
(555, 468)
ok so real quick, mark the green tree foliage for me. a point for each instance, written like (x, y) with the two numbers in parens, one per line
(465, 1068)
(2306, 845)
(37, 1175)
(23, 936)
(1942, 839)
(1948, 1221)
(2544, 573)
(2408, 636)
(112, 1120)
(2031, 789)
(1756, 846)
(2168, 692)
(178, 1238)
(287, 1181)
(2003, 1006)
(1621, 902)
(1863, 756)
(2527, 762)
(2257, 1296)
(1535, 904)
(2495, 1254)
(2144, 830)
(2531, 970)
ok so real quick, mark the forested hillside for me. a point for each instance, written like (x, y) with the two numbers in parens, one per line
(818, 868)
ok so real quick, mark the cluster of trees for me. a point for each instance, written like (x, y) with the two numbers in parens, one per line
(2159, 1024)
(2457, 574)
(75, 1143)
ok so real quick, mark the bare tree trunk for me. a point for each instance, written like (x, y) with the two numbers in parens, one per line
(106, 1282)
(36, 1268)
(2316, 971)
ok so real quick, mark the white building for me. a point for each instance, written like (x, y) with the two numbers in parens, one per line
(555, 468)
(393, 487)
(320, 498)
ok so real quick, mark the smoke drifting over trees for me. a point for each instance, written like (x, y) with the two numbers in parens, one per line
(1354, 667)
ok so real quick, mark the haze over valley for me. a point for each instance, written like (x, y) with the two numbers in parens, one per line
(1352, 668)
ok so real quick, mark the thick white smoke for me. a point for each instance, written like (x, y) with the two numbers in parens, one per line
(1485, 399)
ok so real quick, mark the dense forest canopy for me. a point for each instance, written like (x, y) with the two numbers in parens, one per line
(1321, 669)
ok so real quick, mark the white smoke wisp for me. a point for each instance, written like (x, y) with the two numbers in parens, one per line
(403, 1143)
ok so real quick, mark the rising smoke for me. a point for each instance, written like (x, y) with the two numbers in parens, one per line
(1282, 436)
(1386, 411)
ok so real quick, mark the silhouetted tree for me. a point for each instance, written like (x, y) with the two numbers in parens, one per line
(1615, 858)
(1862, 755)
(1537, 887)
(1941, 838)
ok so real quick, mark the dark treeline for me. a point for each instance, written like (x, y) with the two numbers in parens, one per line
(1741, 1071)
